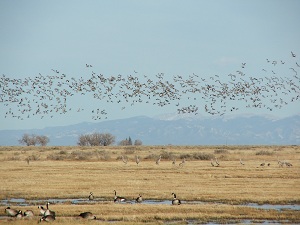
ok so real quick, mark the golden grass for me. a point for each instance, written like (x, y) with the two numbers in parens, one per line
(101, 171)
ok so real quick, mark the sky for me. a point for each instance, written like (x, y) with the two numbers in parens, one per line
(143, 38)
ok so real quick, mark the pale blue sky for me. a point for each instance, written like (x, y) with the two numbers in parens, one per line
(120, 37)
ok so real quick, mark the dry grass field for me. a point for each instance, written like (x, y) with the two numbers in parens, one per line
(42, 173)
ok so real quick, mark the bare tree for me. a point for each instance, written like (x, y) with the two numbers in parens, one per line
(28, 140)
(42, 140)
(83, 140)
(107, 139)
(138, 142)
(124, 142)
(96, 139)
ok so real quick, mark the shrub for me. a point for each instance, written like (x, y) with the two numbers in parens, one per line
(221, 151)
(167, 155)
(129, 150)
(264, 152)
(185, 156)
(56, 157)
(152, 156)
(202, 156)
(81, 155)
(102, 155)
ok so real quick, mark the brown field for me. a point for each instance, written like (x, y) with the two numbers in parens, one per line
(43, 173)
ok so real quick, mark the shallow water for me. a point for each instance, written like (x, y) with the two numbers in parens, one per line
(78, 201)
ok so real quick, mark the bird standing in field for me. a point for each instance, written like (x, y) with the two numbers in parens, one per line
(241, 162)
(158, 160)
(124, 159)
(49, 212)
(217, 162)
(48, 218)
(137, 160)
(28, 213)
(212, 163)
(182, 162)
(12, 212)
(174, 161)
(87, 215)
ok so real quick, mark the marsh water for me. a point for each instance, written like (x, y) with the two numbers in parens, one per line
(79, 201)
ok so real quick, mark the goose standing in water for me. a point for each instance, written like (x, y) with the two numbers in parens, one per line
(139, 199)
(175, 201)
(91, 196)
(87, 215)
(118, 198)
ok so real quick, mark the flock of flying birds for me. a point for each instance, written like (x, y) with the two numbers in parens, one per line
(276, 86)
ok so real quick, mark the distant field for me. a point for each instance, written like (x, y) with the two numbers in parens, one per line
(41, 173)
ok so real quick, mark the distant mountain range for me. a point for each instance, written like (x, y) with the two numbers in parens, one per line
(175, 130)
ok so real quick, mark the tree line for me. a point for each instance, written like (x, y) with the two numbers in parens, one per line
(91, 139)
(104, 139)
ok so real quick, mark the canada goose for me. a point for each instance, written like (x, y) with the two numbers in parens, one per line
(87, 215)
(12, 212)
(49, 212)
(118, 198)
(158, 160)
(48, 218)
(42, 210)
(28, 213)
(175, 201)
(91, 196)
(263, 164)
(139, 199)
(19, 215)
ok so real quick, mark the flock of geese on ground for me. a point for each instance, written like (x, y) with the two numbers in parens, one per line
(48, 215)
(157, 161)
(214, 162)
(273, 87)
